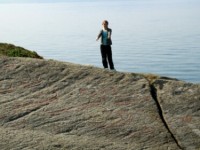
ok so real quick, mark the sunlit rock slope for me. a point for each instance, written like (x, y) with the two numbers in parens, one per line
(51, 105)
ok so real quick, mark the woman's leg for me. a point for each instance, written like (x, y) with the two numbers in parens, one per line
(104, 56)
(109, 54)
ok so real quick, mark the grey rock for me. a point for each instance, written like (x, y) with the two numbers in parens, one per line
(55, 105)
(180, 104)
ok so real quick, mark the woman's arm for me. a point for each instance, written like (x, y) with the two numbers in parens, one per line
(99, 35)
(109, 33)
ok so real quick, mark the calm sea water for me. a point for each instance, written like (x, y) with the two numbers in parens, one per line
(149, 36)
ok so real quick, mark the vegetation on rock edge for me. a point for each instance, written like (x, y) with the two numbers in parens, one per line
(11, 50)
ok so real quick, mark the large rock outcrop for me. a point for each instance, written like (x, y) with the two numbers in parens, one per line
(55, 105)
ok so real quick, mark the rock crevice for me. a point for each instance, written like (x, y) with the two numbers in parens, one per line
(160, 111)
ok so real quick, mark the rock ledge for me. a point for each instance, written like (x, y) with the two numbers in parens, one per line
(56, 105)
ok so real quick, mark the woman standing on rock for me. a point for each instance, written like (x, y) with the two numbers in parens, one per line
(106, 42)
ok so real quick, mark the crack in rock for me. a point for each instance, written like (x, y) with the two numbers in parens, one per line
(22, 114)
(154, 96)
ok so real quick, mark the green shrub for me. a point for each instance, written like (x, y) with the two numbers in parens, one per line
(16, 51)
